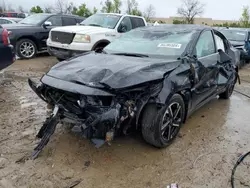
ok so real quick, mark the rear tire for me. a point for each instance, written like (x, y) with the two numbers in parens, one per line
(160, 126)
(26, 49)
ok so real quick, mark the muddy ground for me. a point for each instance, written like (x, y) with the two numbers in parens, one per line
(202, 156)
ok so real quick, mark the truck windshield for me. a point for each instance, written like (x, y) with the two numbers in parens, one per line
(102, 20)
(155, 44)
(34, 19)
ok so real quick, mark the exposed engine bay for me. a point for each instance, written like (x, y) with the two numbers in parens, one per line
(100, 118)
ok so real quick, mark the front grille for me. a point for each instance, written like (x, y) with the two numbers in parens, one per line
(62, 37)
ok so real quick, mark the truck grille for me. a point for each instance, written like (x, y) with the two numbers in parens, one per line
(62, 37)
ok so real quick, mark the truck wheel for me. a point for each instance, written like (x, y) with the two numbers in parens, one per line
(100, 47)
(160, 126)
(26, 49)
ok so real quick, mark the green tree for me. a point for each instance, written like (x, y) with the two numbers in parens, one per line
(36, 9)
(245, 17)
(95, 10)
(117, 6)
(82, 10)
(108, 6)
(178, 22)
(132, 8)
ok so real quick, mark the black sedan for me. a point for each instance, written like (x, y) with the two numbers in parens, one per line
(150, 79)
(29, 35)
(7, 55)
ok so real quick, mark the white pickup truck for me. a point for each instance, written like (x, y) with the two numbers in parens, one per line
(94, 33)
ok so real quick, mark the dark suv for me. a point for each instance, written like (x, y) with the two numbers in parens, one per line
(29, 36)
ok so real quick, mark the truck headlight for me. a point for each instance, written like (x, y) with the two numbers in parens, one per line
(81, 38)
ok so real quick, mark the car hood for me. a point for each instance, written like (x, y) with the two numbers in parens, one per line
(115, 71)
(16, 26)
(237, 43)
(81, 29)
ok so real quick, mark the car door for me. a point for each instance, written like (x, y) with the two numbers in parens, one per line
(56, 21)
(205, 68)
(137, 22)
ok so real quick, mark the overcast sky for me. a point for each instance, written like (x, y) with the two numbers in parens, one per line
(216, 9)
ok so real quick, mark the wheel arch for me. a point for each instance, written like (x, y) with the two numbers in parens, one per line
(30, 37)
(104, 41)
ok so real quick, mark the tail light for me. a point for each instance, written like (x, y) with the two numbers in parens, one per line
(5, 37)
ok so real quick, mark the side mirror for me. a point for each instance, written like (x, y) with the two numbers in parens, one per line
(46, 24)
(224, 58)
(122, 28)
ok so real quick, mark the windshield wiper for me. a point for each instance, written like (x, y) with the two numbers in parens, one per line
(131, 54)
(95, 25)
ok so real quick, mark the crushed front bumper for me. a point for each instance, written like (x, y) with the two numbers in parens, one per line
(64, 53)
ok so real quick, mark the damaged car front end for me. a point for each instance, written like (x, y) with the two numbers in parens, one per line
(99, 114)
(151, 85)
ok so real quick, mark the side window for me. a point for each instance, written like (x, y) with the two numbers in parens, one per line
(205, 45)
(220, 43)
(125, 25)
(55, 20)
(68, 21)
(137, 22)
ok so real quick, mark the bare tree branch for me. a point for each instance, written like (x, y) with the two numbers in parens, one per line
(149, 12)
(190, 9)
(63, 6)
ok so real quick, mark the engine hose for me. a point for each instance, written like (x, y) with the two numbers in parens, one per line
(242, 157)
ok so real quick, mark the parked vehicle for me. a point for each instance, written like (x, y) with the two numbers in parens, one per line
(239, 38)
(13, 14)
(5, 20)
(7, 55)
(150, 79)
(94, 33)
(29, 35)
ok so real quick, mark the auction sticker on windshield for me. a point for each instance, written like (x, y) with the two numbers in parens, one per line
(169, 45)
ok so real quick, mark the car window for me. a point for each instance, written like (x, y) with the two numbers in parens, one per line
(137, 22)
(55, 20)
(234, 35)
(219, 43)
(69, 21)
(205, 45)
(3, 21)
(125, 24)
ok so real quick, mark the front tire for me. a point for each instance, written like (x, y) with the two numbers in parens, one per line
(26, 49)
(229, 91)
(160, 126)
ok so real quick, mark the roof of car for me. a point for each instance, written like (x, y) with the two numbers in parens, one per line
(176, 27)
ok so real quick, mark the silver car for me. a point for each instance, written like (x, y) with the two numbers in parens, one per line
(6, 20)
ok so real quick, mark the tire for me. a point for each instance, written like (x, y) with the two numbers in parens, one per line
(60, 59)
(229, 91)
(154, 118)
(100, 47)
(26, 49)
